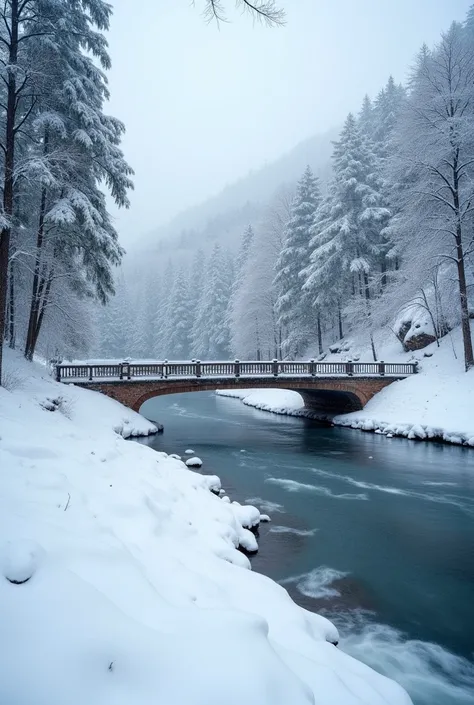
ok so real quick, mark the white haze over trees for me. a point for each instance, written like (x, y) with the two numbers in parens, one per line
(381, 237)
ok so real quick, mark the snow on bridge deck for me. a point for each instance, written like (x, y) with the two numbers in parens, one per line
(148, 370)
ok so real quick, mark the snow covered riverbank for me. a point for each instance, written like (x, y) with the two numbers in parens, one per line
(437, 403)
(135, 591)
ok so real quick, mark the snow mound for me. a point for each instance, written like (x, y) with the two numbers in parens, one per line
(212, 482)
(194, 462)
(19, 560)
(189, 451)
(247, 541)
(248, 515)
(278, 401)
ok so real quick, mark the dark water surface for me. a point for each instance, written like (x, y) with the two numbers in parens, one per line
(375, 533)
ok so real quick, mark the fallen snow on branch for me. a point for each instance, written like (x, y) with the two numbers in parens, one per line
(121, 580)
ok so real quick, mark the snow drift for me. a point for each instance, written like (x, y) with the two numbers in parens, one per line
(121, 580)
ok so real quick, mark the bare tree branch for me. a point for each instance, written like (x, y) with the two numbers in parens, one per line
(263, 10)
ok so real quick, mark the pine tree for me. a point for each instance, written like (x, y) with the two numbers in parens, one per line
(59, 147)
(325, 286)
(347, 233)
(138, 326)
(178, 333)
(469, 24)
(116, 324)
(239, 270)
(366, 116)
(293, 315)
(210, 333)
(195, 289)
(387, 108)
(162, 312)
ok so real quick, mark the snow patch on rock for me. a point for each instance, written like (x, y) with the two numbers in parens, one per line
(194, 462)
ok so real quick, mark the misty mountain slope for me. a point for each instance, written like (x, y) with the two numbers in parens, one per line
(224, 215)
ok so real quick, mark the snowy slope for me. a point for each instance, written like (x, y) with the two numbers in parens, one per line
(135, 591)
(438, 402)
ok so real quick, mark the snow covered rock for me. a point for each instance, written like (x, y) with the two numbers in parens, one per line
(175, 456)
(414, 329)
(19, 560)
(189, 451)
(212, 482)
(247, 515)
(194, 462)
(247, 541)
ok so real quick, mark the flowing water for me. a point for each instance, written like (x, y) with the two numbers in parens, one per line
(375, 533)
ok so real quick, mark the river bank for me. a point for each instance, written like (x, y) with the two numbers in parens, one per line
(375, 535)
(121, 578)
(436, 404)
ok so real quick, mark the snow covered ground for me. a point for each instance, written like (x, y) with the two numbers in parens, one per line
(120, 578)
(436, 403)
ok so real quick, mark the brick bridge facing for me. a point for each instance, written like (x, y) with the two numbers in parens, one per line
(329, 395)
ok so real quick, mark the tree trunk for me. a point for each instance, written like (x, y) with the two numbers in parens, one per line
(320, 335)
(8, 179)
(369, 313)
(42, 309)
(257, 334)
(11, 308)
(339, 320)
(465, 324)
(383, 270)
(372, 345)
(35, 294)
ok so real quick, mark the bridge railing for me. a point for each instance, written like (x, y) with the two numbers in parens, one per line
(83, 372)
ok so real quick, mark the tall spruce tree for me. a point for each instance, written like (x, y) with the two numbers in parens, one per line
(59, 147)
(163, 313)
(178, 333)
(347, 233)
(210, 333)
(239, 274)
(294, 315)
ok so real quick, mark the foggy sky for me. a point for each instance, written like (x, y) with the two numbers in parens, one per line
(203, 105)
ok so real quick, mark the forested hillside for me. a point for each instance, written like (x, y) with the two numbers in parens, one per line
(382, 241)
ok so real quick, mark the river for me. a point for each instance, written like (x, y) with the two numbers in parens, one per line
(375, 533)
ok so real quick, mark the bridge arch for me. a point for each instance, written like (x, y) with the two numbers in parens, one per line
(330, 402)
(324, 401)
(328, 396)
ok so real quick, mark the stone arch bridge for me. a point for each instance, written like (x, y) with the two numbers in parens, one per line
(328, 388)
